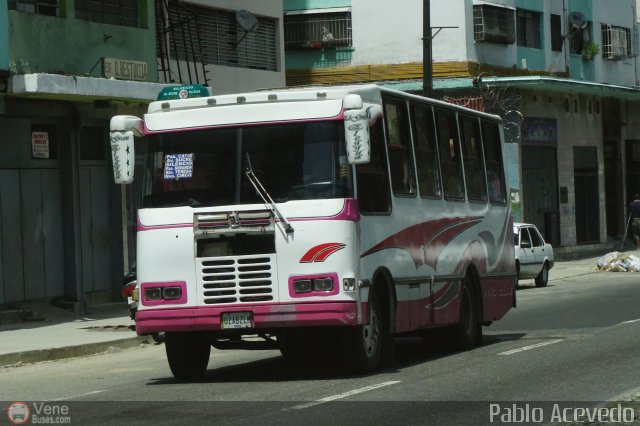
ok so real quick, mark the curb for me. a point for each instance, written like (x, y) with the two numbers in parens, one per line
(40, 355)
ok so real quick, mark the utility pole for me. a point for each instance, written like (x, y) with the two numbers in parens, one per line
(427, 59)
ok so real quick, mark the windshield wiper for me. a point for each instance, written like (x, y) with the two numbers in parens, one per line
(265, 196)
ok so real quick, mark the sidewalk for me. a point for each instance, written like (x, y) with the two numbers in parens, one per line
(38, 332)
(46, 333)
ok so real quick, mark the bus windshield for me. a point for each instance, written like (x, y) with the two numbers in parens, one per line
(295, 161)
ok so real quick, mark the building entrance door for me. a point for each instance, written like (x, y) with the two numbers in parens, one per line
(585, 176)
(613, 189)
(540, 190)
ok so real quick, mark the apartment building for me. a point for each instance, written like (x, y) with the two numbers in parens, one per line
(66, 67)
(562, 74)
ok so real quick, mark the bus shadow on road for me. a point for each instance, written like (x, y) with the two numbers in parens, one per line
(409, 351)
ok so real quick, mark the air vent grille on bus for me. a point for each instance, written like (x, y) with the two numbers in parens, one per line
(245, 279)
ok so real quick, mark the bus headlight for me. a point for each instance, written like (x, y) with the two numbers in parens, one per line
(302, 286)
(153, 293)
(322, 284)
(171, 293)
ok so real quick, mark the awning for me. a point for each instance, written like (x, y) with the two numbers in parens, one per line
(75, 88)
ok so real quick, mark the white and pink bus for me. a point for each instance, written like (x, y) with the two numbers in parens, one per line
(321, 220)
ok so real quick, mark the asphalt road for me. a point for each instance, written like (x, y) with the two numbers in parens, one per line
(574, 343)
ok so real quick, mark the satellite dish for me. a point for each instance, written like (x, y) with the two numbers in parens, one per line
(577, 21)
(246, 20)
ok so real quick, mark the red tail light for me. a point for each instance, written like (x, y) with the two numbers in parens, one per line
(127, 290)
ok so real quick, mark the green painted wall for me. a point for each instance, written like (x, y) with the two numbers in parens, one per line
(314, 4)
(534, 5)
(4, 36)
(67, 45)
(584, 6)
(580, 69)
(535, 57)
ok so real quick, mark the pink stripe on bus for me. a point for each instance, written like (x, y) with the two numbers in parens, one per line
(207, 318)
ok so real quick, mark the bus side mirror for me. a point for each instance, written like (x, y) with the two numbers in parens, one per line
(123, 155)
(356, 129)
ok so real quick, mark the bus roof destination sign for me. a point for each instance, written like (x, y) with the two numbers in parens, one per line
(183, 92)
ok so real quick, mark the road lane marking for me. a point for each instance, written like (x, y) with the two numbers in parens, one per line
(78, 396)
(343, 395)
(630, 321)
(526, 348)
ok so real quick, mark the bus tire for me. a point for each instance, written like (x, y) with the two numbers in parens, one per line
(188, 354)
(468, 332)
(368, 339)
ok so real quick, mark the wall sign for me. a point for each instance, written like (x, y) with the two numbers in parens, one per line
(40, 145)
(539, 131)
(123, 69)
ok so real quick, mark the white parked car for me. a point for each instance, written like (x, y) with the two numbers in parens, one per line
(534, 257)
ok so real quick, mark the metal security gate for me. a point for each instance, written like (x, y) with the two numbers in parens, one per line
(96, 211)
(31, 242)
(540, 187)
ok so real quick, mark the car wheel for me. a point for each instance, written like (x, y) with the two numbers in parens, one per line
(543, 276)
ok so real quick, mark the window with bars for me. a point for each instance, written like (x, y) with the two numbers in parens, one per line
(37, 7)
(616, 42)
(529, 28)
(224, 41)
(317, 30)
(115, 12)
(493, 24)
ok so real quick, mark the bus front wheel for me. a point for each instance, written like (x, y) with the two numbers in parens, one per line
(369, 339)
(188, 354)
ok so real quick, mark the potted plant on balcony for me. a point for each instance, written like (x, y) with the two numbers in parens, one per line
(589, 50)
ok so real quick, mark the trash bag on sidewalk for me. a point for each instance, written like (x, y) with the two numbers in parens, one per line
(616, 261)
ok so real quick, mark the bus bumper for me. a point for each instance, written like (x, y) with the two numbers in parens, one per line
(208, 318)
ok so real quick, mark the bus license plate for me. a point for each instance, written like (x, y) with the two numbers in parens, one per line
(236, 320)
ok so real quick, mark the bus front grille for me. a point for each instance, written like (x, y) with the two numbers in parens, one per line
(240, 279)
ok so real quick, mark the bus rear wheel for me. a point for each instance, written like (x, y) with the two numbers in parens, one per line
(188, 354)
(468, 332)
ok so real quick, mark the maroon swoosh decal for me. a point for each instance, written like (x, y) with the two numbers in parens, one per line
(425, 241)
(320, 252)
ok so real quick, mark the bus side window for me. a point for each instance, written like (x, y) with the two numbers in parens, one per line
(373, 179)
(426, 152)
(493, 156)
(449, 148)
(473, 159)
(399, 146)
